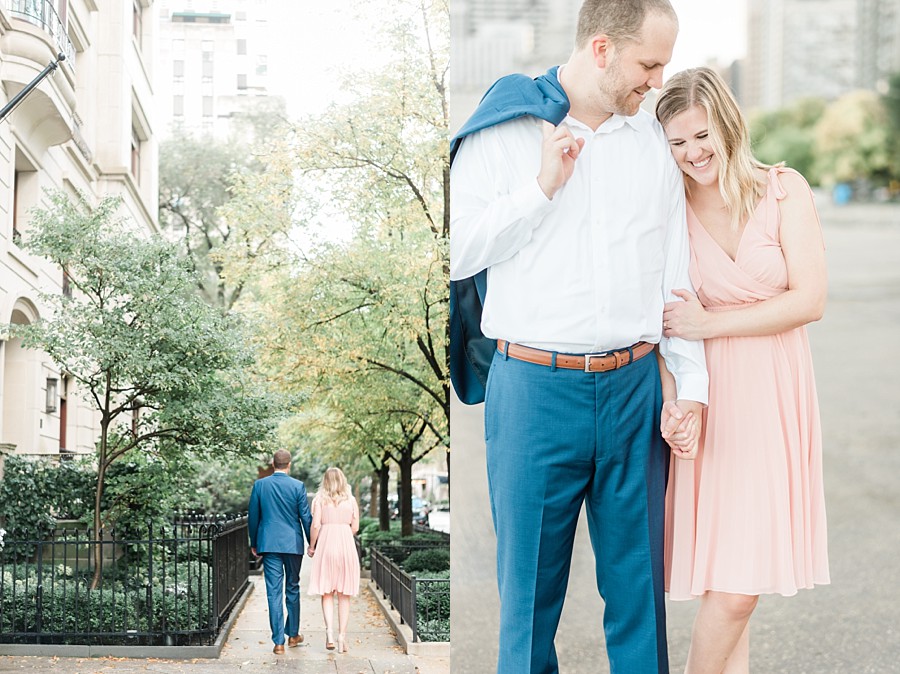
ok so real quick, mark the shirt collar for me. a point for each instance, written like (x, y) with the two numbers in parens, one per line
(614, 123)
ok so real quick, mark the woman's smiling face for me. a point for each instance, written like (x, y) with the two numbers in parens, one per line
(688, 134)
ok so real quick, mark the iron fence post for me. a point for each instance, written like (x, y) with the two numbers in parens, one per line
(39, 593)
(414, 623)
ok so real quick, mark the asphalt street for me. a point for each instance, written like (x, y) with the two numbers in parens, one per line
(850, 626)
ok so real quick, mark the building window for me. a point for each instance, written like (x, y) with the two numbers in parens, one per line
(178, 106)
(242, 81)
(207, 70)
(207, 106)
(261, 65)
(137, 23)
(16, 234)
(26, 193)
(135, 155)
(178, 47)
(178, 69)
(242, 47)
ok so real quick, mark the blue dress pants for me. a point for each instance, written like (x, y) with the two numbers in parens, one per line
(557, 439)
(282, 574)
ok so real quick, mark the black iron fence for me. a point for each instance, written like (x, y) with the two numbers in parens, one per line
(423, 603)
(174, 586)
(423, 529)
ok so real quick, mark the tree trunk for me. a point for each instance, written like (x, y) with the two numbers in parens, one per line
(373, 495)
(384, 509)
(404, 491)
(96, 533)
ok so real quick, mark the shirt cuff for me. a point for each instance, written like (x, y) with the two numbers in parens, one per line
(693, 387)
(534, 198)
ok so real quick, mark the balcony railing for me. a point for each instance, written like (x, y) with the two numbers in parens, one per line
(42, 14)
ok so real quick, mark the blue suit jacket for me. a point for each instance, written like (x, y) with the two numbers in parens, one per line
(278, 508)
(510, 97)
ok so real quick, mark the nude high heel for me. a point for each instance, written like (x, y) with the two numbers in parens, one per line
(342, 643)
(329, 640)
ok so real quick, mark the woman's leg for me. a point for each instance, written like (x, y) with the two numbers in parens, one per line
(739, 660)
(720, 625)
(343, 619)
(327, 613)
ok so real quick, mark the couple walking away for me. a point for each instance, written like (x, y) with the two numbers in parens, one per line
(606, 235)
(279, 518)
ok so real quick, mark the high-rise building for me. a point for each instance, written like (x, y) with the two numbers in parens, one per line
(89, 128)
(215, 58)
(492, 38)
(822, 48)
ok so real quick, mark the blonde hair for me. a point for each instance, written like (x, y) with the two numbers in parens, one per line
(334, 487)
(729, 137)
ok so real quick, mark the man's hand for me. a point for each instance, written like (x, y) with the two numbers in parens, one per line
(311, 551)
(559, 151)
(253, 551)
(680, 426)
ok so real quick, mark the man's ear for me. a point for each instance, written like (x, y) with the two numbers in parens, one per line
(601, 50)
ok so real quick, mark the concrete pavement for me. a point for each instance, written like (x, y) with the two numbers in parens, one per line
(373, 648)
(849, 626)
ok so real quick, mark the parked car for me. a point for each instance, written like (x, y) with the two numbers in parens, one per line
(420, 509)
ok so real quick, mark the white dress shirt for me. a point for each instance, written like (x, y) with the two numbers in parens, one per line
(590, 270)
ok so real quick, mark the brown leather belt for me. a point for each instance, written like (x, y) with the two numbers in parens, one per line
(589, 362)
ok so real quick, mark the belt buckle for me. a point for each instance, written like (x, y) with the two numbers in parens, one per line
(588, 356)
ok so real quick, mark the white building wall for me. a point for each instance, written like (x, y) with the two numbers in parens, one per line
(74, 133)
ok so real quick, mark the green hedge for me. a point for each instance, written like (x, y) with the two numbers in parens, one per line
(433, 559)
(179, 602)
(433, 610)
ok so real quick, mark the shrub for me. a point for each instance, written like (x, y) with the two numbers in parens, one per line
(430, 559)
(178, 602)
(434, 630)
(433, 610)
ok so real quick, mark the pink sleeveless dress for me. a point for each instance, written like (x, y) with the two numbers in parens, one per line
(748, 515)
(335, 564)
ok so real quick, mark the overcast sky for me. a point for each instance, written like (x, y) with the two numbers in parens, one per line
(709, 29)
(326, 36)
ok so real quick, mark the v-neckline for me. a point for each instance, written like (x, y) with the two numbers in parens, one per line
(746, 224)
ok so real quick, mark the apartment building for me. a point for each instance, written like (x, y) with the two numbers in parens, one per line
(217, 59)
(88, 128)
(822, 48)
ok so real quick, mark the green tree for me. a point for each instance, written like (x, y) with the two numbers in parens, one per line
(364, 322)
(196, 179)
(788, 135)
(852, 139)
(891, 101)
(166, 372)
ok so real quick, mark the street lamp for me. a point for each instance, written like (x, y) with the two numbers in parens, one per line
(52, 394)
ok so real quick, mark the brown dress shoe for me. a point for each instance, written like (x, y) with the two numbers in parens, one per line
(279, 649)
(295, 641)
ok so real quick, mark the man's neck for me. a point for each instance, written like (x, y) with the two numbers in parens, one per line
(570, 75)
(282, 470)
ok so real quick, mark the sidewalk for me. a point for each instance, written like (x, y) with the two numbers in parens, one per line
(373, 648)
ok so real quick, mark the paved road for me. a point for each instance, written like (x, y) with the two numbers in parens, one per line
(851, 626)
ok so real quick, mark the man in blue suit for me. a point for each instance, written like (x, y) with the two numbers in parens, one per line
(278, 508)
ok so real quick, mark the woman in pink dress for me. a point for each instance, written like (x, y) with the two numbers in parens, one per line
(746, 516)
(335, 562)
